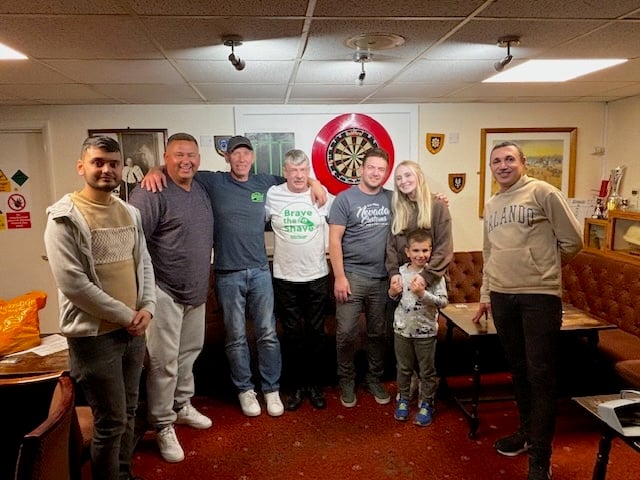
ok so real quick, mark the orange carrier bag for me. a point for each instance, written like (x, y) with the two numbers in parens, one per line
(19, 323)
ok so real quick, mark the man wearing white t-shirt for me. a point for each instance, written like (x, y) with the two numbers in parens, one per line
(300, 272)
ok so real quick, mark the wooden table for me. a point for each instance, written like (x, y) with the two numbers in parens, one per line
(590, 404)
(460, 316)
(30, 365)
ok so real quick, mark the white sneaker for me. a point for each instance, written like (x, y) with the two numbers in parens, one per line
(274, 404)
(188, 415)
(170, 448)
(249, 403)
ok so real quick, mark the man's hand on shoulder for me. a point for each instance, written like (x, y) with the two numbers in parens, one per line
(318, 192)
(155, 180)
(442, 197)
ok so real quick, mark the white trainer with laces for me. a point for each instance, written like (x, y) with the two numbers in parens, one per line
(274, 404)
(249, 403)
(188, 415)
(170, 448)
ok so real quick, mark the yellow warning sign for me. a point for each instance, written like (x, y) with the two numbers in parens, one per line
(3, 225)
(5, 184)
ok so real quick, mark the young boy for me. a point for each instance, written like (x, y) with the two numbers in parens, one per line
(415, 326)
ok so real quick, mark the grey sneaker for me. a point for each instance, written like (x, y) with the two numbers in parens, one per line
(379, 392)
(512, 445)
(348, 394)
(168, 444)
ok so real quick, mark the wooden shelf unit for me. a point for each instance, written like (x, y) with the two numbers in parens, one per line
(607, 236)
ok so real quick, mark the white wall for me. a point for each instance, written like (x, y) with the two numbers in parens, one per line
(623, 144)
(464, 157)
(68, 128)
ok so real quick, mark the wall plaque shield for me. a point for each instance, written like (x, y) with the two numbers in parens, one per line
(220, 142)
(457, 181)
(435, 142)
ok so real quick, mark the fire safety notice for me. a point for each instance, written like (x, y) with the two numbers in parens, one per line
(18, 220)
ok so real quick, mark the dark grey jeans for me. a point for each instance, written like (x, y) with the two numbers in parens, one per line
(529, 328)
(416, 354)
(107, 368)
(369, 294)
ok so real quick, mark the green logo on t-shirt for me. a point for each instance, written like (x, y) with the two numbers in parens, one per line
(257, 197)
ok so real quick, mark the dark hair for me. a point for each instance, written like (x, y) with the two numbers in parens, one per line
(182, 136)
(419, 235)
(107, 144)
(509, 143)
(376, 152)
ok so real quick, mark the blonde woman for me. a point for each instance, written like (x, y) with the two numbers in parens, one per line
(414, 207)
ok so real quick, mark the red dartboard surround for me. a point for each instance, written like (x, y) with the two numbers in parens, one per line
(339, 149)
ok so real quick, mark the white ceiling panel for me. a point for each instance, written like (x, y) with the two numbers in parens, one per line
(162, 51)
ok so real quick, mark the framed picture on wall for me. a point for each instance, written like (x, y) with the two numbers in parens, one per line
(142, 148)
(550, 152)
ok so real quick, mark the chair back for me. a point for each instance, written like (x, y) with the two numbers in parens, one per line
(44, 453)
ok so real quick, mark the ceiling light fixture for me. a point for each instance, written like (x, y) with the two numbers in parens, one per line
(236, 61)
(362, 57)
(553, 70)
(503, 42)
(8, 53)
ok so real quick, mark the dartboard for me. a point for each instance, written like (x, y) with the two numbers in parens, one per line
(345, 154)
(339, 149)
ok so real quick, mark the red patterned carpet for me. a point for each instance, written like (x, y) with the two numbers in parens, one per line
(366, 442)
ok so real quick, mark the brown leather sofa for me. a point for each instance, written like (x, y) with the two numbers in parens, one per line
(609, 289)
(604, 287)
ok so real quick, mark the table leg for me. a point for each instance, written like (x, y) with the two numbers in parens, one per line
(602, 459)
(444, 385)
(474, 420)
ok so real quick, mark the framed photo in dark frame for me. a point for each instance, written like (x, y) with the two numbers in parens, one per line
(142, 148)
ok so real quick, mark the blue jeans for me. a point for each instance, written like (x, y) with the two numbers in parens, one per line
(107, 368)
(529, 329)
(369, 294)
(246, 294)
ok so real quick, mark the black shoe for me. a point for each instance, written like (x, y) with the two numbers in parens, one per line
(539, 469)
(294, 400)
(512, 445)
(316, 397)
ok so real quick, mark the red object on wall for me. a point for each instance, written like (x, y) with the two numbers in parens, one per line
(339, 149)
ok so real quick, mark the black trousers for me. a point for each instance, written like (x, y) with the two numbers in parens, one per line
(529, 328)
(300, 307)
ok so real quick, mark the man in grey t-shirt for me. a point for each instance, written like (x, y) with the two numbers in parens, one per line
(178, 226)
(359, 223)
